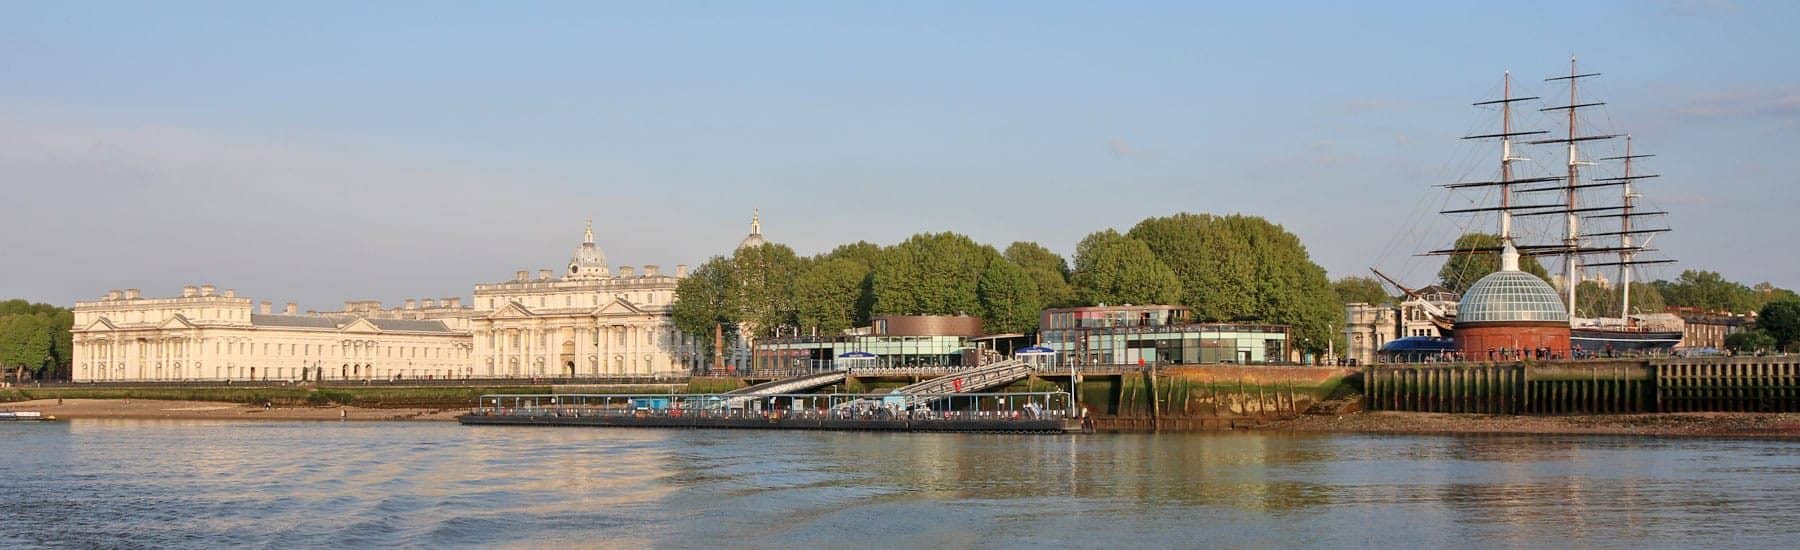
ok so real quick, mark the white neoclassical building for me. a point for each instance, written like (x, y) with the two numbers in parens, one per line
(588, 322)
(207, 335)
(591, 321)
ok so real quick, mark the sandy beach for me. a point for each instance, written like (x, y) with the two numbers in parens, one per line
(146, 408)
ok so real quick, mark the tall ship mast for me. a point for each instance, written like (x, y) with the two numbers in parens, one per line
(1600, 334)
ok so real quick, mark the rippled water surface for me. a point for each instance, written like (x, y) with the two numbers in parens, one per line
(188, 484)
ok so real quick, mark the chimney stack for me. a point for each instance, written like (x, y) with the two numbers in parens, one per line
(455, 302)
(293, 308)
(190, 291)
(625, 271)
(114, 294)
(651, 270)
(230, 293)
(131, 294)
(520, 276)
(428, 303)
(264, 307)
(207, 290)
(543, 274)
(411, 304)
(681, 271)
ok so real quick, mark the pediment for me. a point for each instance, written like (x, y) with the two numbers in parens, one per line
(619, 306)
(360, 325)
(512, 310)
(99, 325)
(175, 322)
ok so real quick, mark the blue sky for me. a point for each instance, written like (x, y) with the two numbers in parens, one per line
(333, 151)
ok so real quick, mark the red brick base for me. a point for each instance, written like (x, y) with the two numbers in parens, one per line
(1506, 341)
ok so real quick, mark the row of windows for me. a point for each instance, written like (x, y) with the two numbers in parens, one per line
(244, 348)
(569, 300)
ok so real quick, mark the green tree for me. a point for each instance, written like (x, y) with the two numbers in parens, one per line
(1708, 291)
(827, 294)
(1246, 268)
(1364, 290)
(1111, 268)
(1477, 256)
(1767, 292)
(1010, 301)
(703, 301)
(1782, 321)
(1749, 341)
(930, 274)
(1047, 270)
(59, 320)
(762, 287)
(1593, 301)
(862, 252)
(25, 343)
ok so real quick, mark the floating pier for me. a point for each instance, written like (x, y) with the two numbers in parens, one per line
(1031, 412)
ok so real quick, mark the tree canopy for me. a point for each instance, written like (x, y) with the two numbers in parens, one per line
(1245, 268)
(1709, 291)
(763, 287)
(827, 295)
(703, 300)
(930, 274)
(1113, 269)
(1010, 302)
(1047, 270)
(1593, 301)
(1363, 290)
(1474, 261)
(35, 337)
(1749, 341)
(1781, 320)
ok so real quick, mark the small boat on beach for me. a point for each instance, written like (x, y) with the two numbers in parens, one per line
(24, 416)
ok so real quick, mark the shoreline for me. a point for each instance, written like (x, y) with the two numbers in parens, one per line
(151, 409)
(1725, 425)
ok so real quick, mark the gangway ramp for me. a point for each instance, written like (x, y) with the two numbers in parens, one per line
(968, 381)
(798, 384)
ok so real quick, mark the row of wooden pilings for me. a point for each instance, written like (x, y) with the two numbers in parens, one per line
(1759, 384)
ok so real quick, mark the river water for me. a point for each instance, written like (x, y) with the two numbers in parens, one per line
(179, 483)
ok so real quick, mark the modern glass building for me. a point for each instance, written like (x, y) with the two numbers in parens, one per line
(1132, 335)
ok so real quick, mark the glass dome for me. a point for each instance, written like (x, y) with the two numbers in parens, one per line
(1510, 296)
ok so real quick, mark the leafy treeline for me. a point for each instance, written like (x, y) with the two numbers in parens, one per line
(34, 337)
(1710, 291)
(1227, 268)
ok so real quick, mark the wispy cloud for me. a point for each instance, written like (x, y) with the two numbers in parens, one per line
(1779, 102)
(1366, 105)
(1121, 149)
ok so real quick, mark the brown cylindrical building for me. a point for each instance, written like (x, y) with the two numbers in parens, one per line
(1511, 315)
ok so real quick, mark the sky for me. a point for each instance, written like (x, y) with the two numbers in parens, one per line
(332, 151)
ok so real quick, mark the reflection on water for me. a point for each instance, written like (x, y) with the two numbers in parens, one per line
(208, 483)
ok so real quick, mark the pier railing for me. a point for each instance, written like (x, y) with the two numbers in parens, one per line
(837, 406)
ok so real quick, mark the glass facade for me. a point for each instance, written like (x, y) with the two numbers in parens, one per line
(819, 354)
(1131, 335)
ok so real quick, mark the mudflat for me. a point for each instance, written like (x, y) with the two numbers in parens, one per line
(1713, 424)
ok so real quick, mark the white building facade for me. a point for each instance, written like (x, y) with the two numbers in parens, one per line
(203, 335)
(588, 322)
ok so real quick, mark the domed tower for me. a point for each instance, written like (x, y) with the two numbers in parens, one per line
(1511, 314)
(755, 238)
(589, 262)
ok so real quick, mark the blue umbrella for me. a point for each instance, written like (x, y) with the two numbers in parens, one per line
(1034, 350)
(857, 355)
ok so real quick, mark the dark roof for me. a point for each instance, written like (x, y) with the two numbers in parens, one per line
(295, 321)
(412, 325)
(1419, 343)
